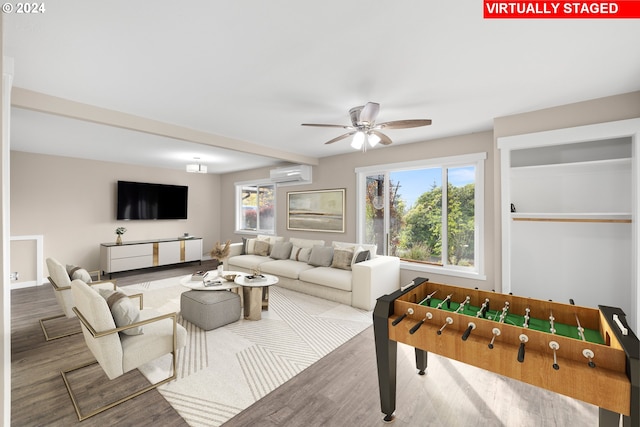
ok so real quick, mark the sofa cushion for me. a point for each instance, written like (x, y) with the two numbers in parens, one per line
(305, 243)
(285, 268)
(321, 256)
(262, 248)
(342, 258)
(300, 254)
(247, 262)
(327, 276)
(281, 250)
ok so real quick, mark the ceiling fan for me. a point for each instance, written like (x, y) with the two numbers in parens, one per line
(364, 127)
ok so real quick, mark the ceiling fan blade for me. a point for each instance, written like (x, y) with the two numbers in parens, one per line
(403, 124)
(346, 135)
(384, 139)
(369, 112)
(327, 126)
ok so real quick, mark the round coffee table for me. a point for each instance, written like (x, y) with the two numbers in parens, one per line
(212, 279)
(252, 294)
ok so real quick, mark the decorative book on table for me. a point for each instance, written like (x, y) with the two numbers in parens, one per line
(198, 275)
(255, 278)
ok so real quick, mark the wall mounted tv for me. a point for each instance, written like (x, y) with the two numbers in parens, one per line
(140, 200)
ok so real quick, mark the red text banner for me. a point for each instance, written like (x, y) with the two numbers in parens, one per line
(625, 9)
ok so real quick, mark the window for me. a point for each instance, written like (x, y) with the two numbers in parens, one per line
(428, 213)
(255, 208)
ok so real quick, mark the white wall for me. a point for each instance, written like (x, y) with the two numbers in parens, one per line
(72, 202)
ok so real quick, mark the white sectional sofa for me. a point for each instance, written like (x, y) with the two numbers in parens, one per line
(348, 273)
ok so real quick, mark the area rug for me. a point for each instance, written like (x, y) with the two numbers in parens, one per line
(223, 371)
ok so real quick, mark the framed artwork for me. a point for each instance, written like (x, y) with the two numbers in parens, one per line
(319, 210)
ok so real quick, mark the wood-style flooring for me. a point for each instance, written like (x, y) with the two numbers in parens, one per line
(339, 390)
(38, 394)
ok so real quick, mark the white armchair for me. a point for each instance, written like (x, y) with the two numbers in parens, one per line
(118, 353)
(61, 282)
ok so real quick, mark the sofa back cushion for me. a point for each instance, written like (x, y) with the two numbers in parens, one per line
(321, 256)
(306, 243)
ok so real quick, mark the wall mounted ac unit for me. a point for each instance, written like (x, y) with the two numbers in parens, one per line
(291, 175)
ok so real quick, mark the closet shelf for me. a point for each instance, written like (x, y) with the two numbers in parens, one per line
(606, 217)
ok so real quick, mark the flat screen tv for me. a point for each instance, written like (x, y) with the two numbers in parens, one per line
(140, 200)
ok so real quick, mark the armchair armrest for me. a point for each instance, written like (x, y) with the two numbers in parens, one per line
(96, 273)
(64, 288)
(97, 334)
(373, 278)
(139, 296)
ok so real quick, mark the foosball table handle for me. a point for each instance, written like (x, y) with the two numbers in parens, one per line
(523, 341)
(399, 319)
(416, 327)
(467, 331)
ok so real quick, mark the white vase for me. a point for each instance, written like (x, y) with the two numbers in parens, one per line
(220, 270)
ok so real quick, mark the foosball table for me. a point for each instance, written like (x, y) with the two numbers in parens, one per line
(584, 353)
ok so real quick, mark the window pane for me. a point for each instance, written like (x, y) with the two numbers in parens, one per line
(257, 211)
(418, 223)
(461, 216)
(249, 205)
(375, 211)
(265, 208)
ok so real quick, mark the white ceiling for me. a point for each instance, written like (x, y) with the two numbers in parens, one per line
(253, 71)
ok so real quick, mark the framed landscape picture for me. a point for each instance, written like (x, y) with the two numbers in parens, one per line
(319, 210)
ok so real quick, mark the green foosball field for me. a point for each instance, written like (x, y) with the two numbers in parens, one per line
(534, 323)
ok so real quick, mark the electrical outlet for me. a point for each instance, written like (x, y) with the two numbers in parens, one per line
(14, 275)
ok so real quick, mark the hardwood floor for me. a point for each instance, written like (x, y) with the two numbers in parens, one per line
(339, 390)
(38, 394)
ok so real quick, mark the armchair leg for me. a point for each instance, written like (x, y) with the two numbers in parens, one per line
(44, 329)
(82, 417)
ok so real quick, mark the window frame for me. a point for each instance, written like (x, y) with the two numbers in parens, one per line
(238, 206)
(475, 159)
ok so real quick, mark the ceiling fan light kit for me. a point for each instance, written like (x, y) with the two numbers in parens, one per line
(364, 128)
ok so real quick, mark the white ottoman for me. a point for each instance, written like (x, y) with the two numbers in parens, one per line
(210, 309)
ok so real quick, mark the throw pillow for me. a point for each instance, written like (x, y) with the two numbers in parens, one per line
(281, 250)
(342, 259)
(261, 248)
(295, 251)
(321, 256)
(76, 272)
(361, 256)
(250, 248)
(300, 254)
(123, 310)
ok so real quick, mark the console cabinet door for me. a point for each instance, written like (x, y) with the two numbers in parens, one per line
(168, 253)
(192, 250)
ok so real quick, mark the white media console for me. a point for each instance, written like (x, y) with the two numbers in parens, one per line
(149, 253)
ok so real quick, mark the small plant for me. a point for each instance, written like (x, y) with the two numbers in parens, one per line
(120, 231)
(220, 252)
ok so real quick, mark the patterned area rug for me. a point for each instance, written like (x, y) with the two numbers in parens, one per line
(223, 371)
